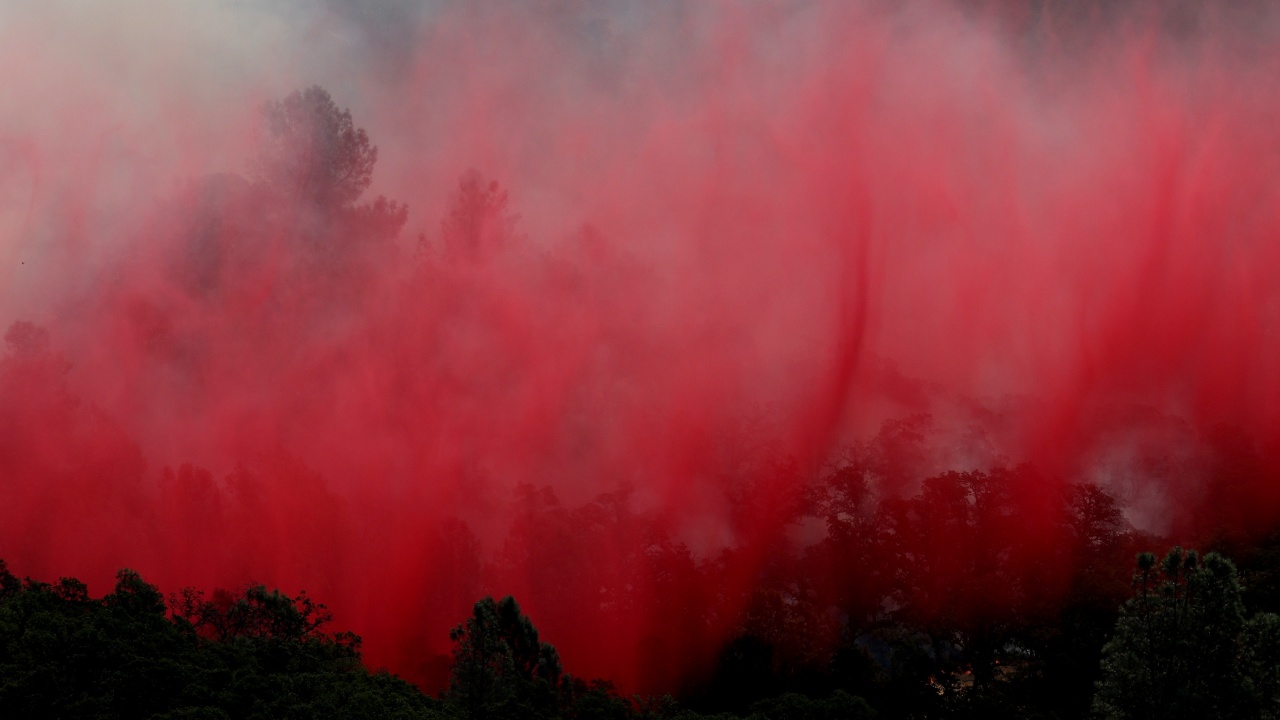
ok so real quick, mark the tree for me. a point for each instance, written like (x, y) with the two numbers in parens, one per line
(314, 152)
(1066, 645)
(500, 667)
(315, 164)
(478, 221)
(1260, 664)
(1182, 647)
(258, 613)
(64, 653)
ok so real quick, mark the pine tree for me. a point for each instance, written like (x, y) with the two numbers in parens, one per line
(1182, 648)
(500, 667)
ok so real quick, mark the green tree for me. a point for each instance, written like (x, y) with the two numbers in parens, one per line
(1182, 647)
(500, 666)
(66, 654)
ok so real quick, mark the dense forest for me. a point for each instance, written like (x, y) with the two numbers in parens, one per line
(808, 360)
(1185, 644)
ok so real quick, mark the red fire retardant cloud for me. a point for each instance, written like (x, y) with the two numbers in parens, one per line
(660, 268)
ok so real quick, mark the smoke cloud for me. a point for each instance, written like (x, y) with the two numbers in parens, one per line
(662, 264)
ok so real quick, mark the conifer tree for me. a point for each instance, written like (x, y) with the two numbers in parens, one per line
(1182, 647)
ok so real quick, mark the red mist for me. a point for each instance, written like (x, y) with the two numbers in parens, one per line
(662, 266)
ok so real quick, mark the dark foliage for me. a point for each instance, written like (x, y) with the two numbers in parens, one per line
(500, 667)
(1184, 649)
(66, 654)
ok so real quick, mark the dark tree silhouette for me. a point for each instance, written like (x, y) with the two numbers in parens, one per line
(64, 653)
(257, 613)
(500, 667)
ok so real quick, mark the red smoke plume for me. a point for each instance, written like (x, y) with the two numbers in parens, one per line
(723, 245)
